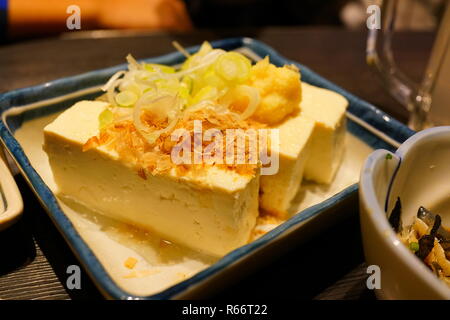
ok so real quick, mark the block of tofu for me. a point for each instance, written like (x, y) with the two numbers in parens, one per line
(213, 211)
(277, 191)
(327, 108)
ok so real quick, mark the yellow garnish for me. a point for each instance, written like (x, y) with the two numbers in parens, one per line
(130, 263)
(279, 89)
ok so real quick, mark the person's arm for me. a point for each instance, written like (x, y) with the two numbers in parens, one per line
(44, 16)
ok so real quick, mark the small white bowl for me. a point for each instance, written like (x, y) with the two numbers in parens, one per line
(419, 173)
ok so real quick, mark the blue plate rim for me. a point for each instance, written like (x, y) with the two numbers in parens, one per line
(369, 114)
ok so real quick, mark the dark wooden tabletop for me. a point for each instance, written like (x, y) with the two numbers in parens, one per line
(34, 257)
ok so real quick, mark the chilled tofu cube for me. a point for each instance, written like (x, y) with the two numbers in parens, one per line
(213, 212)
(327, 108)
(277, 191)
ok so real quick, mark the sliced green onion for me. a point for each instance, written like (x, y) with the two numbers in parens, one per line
(243, 90)
(126, 98)
(233, 67)
(205, 93)
(211, 78)
(187, 63)
(165, 106)
(133, 87)
(185, 89)
(132, 63)
(193, 59)
(168, 85)
(105, 118)
(148, 89)
(165, 91)
(184, 93)
(205, 48)
(113, 79)
(111, 91)
(199, 64)
(414, 246)
(188, 83)
(152, 67)
(180, 48)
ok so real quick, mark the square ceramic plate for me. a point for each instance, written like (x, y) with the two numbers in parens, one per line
(164, 270)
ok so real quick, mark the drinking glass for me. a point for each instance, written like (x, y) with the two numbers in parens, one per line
(428, 102)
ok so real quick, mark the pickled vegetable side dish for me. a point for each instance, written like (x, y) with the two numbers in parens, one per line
(427, 238)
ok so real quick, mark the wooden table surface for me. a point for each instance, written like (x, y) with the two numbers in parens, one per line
(34, 257)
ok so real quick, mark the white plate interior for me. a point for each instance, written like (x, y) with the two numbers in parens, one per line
(160, 264)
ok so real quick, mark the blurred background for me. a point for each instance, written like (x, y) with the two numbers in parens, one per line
(25, 19)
